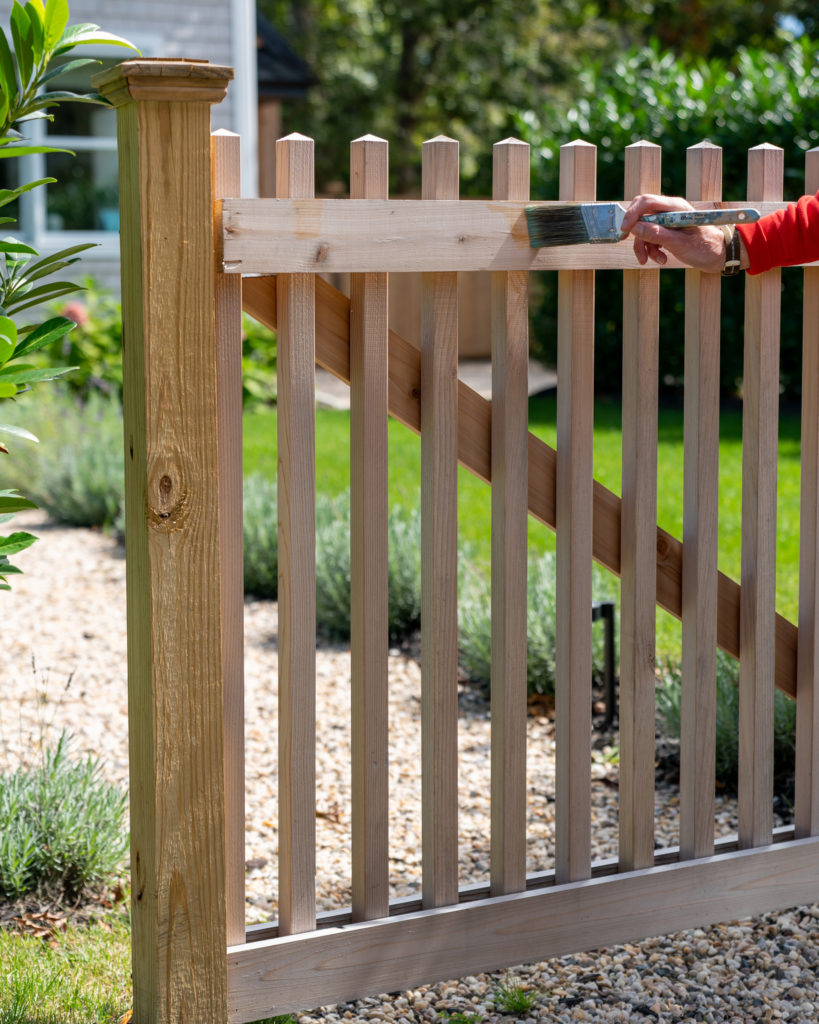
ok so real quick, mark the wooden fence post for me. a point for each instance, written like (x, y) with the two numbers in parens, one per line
(172, 541)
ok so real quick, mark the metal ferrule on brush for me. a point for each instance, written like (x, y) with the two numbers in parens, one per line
(603, 221)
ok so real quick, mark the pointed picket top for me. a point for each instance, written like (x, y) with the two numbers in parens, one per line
(440, 169)
(369, 138)
(510, 169)
(295, 137)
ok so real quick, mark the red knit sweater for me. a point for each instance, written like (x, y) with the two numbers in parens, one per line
(784, 238)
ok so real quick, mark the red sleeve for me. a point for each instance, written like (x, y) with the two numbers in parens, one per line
(784, 238)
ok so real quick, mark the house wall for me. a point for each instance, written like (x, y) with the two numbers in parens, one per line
(196, 29)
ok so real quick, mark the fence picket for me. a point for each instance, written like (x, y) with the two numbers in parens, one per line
(369, 623)
(700, 516)
(439, 551)
(641, 313)
(760, 410)
(573, 520)
(510, 358)
(225, 156)
(296, 371)
(806, 797)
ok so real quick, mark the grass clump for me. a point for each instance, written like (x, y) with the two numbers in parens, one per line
(78, 976)
(512, 998)
(62, 831)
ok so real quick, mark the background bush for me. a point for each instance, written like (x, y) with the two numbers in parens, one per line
(261, 544)
(475, 624)
(650, 95)
(94, 348)
(333, 570)
(63, 827)
(669, 696)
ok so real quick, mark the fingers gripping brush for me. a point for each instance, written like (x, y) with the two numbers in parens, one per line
(581, 223)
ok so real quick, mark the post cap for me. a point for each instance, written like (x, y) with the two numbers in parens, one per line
(169, 81)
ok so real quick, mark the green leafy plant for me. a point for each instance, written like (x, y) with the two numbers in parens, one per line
(62, 828)
(475, 624)
(261, 545)
(669, 715)
(39, 33)
(333, 570)
(511, 997)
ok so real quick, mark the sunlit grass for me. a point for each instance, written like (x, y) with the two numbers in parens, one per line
(81, 976)
(333, 453)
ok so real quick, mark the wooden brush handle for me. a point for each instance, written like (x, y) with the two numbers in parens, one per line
(694, 218)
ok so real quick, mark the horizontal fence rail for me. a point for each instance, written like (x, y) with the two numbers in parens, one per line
(191, 952)
(322, 236)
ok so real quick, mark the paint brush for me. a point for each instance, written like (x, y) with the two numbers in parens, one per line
(578, 223)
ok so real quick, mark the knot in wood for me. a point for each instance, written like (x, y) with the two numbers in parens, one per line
(168, 510)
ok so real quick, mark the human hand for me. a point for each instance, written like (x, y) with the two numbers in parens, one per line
(702, 247)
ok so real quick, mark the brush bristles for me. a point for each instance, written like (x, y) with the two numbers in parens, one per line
(556, 225)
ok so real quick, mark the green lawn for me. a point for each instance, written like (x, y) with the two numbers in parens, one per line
(332, 457)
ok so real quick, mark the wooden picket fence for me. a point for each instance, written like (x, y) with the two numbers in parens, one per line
(187, 241)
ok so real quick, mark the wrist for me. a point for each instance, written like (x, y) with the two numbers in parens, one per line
(732, 264)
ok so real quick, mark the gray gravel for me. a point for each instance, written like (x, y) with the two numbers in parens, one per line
(62, 662)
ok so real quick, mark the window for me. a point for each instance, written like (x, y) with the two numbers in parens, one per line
(82, 204)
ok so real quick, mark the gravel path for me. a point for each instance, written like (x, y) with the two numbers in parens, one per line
(62, 663)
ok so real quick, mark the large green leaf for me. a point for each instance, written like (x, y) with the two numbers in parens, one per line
(7, 390)
(35, 20)
(15, 431)
(87, 33)
(37, 296)
(14, 245)
(32, 375)
(8, 76)
(56, 19)
(45, 334)
(21, 35)
(16, 542)
(9, 152)
(8, 339)
(8, 195)
(12, 501)
(70, 65)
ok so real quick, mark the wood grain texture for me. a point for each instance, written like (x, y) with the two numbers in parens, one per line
(760, 412)
(295, 408)
(474, 447)
(806, 797)
(226, 173)
(279, 975)
(574, 527)
(369, 622)
(269, 236)
(174, 592)
(510, 358)
(700, 522)
(439, 552)
(638, 530)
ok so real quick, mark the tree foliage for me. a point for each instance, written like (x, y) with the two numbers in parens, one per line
(414, 69)
(648, 94)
